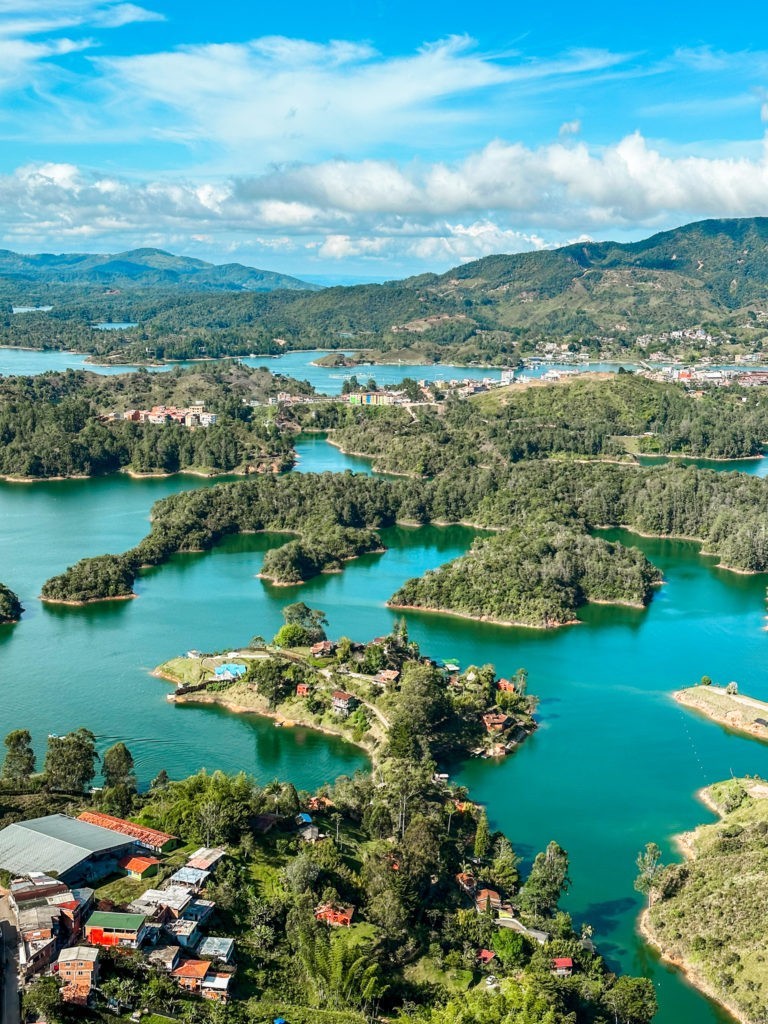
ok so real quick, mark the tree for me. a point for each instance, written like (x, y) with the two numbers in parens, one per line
(631, 1000)
(70, 761)
(270, 679)
(482, 836)
(706, 681)
(291, 635)
(19, 763)
(311, 619)
(504, 867)
(43, 1002)
(117, 767)
(547, 882)
(161, 780)
(649, 868)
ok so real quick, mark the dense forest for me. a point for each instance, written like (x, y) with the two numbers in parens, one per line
(727, 512)
(596, 417)
(10, 606)
(536, 576)
(593, 298)
(300, 560)
(60, 424)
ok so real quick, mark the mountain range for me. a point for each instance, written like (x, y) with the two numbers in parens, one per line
(140, 268)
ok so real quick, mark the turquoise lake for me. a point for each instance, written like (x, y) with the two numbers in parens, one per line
(614, 764)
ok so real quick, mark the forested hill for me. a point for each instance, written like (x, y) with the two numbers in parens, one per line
(598, 299)
(142, 268)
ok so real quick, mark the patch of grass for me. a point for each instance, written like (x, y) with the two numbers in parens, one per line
(427, 971)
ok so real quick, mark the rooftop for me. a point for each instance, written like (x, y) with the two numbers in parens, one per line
(189, 876)
(206, 857)
(114, 920)
(55, 842)
(79, 953)
(216, 948)
(192, 969)
(148, 836)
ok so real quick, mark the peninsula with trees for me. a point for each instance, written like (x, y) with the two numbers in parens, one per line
(707, 914)
(728, 707)
(385, 695)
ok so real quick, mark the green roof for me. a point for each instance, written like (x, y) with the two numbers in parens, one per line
(126, 922)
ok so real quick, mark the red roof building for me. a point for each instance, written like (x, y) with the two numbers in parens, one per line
(158, 842)
(189, 974)
(562, 966)
(337, 917)
(302, 690)
(140, 867)
(506, 686)
(484, 956)
(496, 721)
(487, 898)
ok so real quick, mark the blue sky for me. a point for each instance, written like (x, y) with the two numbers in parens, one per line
(374, 139)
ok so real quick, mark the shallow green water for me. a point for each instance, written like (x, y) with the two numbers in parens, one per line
(615, 763)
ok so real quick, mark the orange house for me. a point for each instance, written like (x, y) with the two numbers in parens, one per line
(335, 916)
(506, 686)
(189, 974)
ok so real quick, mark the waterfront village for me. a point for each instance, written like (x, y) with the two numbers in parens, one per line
(194, 415)
(65, 876)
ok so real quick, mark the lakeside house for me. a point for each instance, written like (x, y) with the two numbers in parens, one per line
(467, 882)
(229, 672)
(487, 899)
(150, 838)
(496, 721)
(336, 917)
(302, 690)
(323, 649)
(343, 703)
(387, 677)
(562, 966)
(506, 686)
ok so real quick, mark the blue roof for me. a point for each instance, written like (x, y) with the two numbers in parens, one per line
(232, 668)
(306, 818)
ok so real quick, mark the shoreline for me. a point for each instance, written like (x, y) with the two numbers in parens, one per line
(689, 972)
(90, 600)
(204, 697)
(733, 715)
(480, 618)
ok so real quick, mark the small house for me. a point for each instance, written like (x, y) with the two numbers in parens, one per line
(78, 968)
(165, 958)
(115, 929)
(229, 671)
(190, 973)
(562, 966)
(496, 721)
(343, 703)
(206, 858)
(319, 803)
(337, 917)
(216, 986)
(387, 677)
(484, 956)
(466, 882)
(189, 878)
(323, 649)
(506, 686)
(214, 947)
(310, 834)
(139, 867)
(487, 898)
(302, 690)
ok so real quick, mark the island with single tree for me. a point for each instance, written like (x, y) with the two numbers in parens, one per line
(10, 606)
(708, 914)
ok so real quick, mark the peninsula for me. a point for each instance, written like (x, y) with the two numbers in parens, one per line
(724, 704)
(383, 695)
(708, 915)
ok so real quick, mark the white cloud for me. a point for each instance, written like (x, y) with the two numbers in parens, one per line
(281, 98)
(570, 128)
(505, 197)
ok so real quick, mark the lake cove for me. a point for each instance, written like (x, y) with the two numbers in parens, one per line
(614, 764)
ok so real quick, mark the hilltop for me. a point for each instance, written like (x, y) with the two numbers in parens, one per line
(141, 268)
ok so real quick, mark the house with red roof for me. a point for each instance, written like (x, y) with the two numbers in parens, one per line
(562, 966)
(337, 917)
(151, 838)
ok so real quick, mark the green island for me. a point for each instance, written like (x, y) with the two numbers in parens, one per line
(707, 915)
(539, 574)
(383, 695)
(10, 606)
(655, 297)
(724, 704)
(722, 511)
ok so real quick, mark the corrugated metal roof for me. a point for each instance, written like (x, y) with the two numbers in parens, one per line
(115, 921)
(53, 843)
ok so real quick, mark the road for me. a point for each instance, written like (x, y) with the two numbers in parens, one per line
(10, 989)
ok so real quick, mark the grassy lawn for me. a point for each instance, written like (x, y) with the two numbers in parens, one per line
(186, 670)
(426, 971)
(265, 870)
(122, 889)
